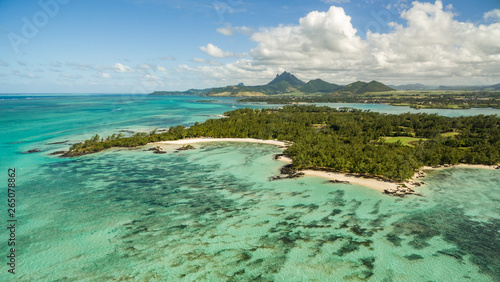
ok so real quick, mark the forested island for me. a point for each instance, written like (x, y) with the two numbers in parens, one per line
(343, 140)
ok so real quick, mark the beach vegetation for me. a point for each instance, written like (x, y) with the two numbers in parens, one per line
(347, 140)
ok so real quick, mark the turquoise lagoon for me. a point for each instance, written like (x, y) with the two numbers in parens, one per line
(211, 214)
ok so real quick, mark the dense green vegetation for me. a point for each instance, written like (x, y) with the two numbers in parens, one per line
(97, 143)
(344, 139)
(414, 99)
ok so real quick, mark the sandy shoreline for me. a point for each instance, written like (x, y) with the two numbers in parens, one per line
(376, 184)
(379, 184)
(461, 166)
(373, 183)
(354, 179)
(205, 140)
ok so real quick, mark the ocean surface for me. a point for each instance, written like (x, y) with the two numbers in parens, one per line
(211, 214)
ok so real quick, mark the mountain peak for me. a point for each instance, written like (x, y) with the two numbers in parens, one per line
(288, 77)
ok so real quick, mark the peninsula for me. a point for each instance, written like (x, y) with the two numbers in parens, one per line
(348, 141)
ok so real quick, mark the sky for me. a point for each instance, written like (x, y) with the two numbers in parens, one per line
(140, 46)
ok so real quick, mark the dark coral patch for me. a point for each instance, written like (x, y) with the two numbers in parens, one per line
(414, 257)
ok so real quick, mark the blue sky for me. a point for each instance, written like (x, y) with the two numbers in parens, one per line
(139, 46)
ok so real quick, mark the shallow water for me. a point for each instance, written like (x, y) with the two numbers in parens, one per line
(212, 214)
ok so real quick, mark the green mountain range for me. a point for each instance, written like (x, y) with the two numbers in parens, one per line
(283, 84)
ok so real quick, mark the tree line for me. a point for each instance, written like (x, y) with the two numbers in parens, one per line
(345, 140)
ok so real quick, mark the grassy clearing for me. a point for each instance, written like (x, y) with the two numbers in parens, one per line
(249, 94)
(404, 139)
(450, 134)
(319, 125)
(301, 94)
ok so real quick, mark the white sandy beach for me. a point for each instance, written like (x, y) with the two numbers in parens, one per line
(205, 140)
(378, 184)
(352, 178)
(367, 182)
(373, 183)
(460, 165)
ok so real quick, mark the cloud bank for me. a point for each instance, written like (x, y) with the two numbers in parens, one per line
(432, 47)
(427, 45)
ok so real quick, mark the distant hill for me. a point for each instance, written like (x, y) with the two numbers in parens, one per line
(353, 87)
(287, 77)
(280, 87)
(495, 87)
(460, 88)
(318, 85)
(374, 86)
(196, 92)
(415, 86)
(470, 88)
(282, 84)
(238, 91)
(360, 87)
(418, 86)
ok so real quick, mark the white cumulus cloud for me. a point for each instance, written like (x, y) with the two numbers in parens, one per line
(105, 75)
(432, 47)
(215, 51)
(321, 40)
(492, 15)
(161, 69)
(229, 30)
(335, 1)
(121, 68)
(434, 44)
